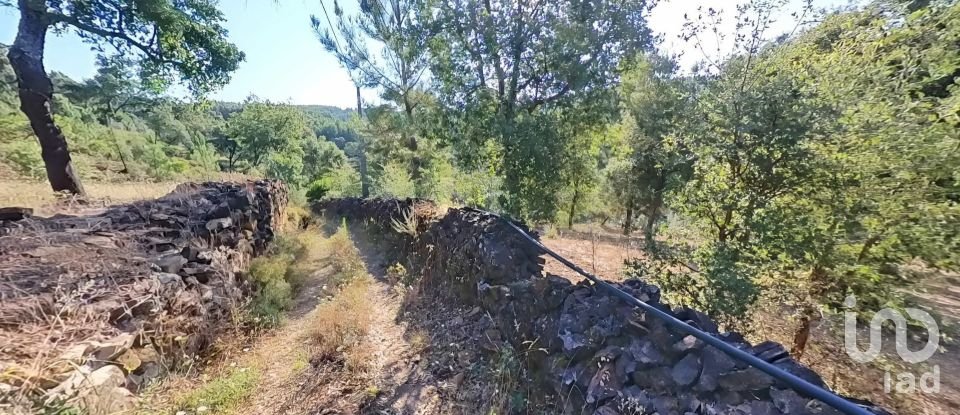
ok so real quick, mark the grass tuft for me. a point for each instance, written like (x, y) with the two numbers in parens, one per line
(341, 324)
(223, 394)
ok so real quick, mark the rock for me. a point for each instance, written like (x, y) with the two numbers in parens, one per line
(190, 252)
(769, 351)
(71, 358)
(43, 252)
(687, 344)
(100, 241)
(167, 278)
(604, 385)
(758, 408)
(170, 263)
(15, 213)
(221, 211)
(98, 392)
(606, 410)
(607, 354)
(217, 225)
(685, 372)
(203, 273)
(129, 360)
(788, 401)
(796, 369)
(715, 363)
(749, 379)
(666, 404)
(111, 349)
(658, 379)
(646, 354)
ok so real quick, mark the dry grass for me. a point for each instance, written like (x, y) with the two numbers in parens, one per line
(341, 324)
(344, 256)
(38, 195)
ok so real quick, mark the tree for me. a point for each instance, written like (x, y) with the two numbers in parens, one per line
(514, 71)
(166, 40)
(397, 29)
(268, 135)
(752, 137)
(657, 105)
(887, 190)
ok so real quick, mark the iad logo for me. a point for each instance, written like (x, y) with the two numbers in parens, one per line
(906, 382)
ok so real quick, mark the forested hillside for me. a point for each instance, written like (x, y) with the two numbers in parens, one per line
(119, 130)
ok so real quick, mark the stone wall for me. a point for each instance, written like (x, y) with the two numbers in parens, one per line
(580, 342)
(131, 292)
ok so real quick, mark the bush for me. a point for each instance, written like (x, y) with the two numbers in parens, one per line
(317, 190)
(274, 294)
(24, 157)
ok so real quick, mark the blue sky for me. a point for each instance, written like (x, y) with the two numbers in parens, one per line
(285, 62)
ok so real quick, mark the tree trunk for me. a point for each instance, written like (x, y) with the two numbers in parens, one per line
(364, 181)
(573, 204)
(648, 227)
(808, 315)
(36, 91)
(653, 211)
(628, 221)
(411, 142)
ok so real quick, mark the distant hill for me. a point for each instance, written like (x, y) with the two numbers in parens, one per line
(337, 113)
(324, 111)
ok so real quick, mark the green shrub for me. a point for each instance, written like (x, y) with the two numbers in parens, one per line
(317, 190)
(24, 157)
(276, 276)
(274, 294)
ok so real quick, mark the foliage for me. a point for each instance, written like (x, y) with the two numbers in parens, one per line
(317, 191)
(394, 182)
(24, 157)
(531, 77)
(657, 104)
(277, 274)
(400, 31)
(274, 294)
(819, 164)
(166, 41)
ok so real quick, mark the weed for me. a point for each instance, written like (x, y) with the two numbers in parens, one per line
(224, 393)
(279, 274)
(298, 218)
(419, 340)
(341, 324)
(408, 223)
(397, 273)
(506, 371)
(301, 363)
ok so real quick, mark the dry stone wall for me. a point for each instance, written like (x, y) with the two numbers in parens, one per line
(581, 344)
(130, 293)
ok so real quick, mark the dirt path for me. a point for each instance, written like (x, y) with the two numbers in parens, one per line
(293, 382)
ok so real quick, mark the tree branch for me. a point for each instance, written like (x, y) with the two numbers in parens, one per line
(151, 54)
